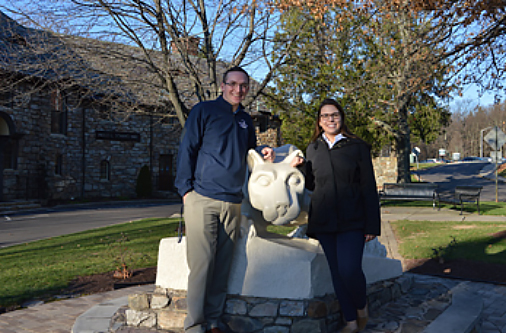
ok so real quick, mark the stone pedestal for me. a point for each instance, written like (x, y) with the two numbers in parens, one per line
(165, 310)
(273, 266)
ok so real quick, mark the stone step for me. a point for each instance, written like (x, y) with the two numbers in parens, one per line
(8, 207)
(464, 314)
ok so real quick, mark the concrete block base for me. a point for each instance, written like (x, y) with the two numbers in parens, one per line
(270, 266)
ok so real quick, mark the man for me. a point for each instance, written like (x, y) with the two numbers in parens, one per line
(211, 170)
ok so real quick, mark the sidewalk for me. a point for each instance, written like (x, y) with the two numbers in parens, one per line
(92, 314)
(488, 172)
(430, 214)
(60, 316)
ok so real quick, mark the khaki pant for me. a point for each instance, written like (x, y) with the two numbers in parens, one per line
(211, 228)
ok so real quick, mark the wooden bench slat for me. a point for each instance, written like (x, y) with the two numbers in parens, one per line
(410, 191)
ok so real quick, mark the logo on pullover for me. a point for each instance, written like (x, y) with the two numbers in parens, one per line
(242, 123)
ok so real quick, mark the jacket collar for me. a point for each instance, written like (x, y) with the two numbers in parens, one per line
(227, 106)
(330, 143)
(340, 143)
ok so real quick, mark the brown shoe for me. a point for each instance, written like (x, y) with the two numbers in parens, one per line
(214, 330)
(362, 320)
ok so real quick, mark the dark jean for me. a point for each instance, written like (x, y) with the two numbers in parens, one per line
(344, 255)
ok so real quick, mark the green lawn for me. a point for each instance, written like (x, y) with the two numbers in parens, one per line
(479, 241)
(43, 268)
(422, 166)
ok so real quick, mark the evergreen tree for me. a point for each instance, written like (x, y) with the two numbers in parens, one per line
(380, 69)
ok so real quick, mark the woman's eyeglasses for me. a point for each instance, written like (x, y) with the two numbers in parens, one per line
(328, 116)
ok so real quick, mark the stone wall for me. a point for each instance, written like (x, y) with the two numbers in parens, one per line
(385, 169)
(35, 176)
(268, 129)
(165, 309)
(270, 137)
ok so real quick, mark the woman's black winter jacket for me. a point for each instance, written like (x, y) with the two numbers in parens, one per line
(344, 188)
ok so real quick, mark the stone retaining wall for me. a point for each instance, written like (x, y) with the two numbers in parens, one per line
(165, 310)
(385, 170)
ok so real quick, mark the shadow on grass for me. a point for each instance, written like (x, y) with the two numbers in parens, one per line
(482, 260)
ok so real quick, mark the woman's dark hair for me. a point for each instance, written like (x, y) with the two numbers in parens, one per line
(344, 129)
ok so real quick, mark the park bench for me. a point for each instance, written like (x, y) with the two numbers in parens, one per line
(464, 193)
(410, 192)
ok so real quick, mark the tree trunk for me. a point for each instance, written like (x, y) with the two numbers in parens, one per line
(403, 143)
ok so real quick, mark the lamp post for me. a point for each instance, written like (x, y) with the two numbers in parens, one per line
(481, 140)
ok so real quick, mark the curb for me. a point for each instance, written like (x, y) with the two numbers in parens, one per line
(98, 318)
(86, 205)
(463, 316)
(488, 172)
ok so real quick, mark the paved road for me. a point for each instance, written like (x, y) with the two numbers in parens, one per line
(47, 223)
(447, 176)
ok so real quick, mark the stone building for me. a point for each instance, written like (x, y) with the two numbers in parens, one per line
(61, 141)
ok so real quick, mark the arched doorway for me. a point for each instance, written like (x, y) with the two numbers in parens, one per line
(7, 133)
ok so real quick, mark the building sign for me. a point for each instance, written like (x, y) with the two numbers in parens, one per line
(118, 136)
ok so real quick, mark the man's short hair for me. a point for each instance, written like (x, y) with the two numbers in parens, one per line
(235, 69)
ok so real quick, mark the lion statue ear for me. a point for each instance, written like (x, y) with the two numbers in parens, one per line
(254, 158)
(289, 158)
(286, 153)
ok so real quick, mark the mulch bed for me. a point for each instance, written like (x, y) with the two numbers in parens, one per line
(84, 285)
(459, 269)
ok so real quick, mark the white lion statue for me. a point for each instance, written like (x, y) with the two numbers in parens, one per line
(267, 264)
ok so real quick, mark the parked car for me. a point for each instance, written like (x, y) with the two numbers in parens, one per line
(470, 158)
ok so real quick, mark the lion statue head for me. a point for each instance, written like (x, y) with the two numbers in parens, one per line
(277, 189)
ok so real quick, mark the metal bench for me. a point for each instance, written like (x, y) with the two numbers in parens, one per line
(466, 193)
(410, 192)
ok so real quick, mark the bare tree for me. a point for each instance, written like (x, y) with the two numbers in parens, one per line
(175, 51)
(468, 127)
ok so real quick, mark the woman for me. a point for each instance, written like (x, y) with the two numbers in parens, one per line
(344, 211)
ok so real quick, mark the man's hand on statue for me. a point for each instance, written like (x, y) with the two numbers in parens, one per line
(269, 154)
(297, 160)
(369, 238)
